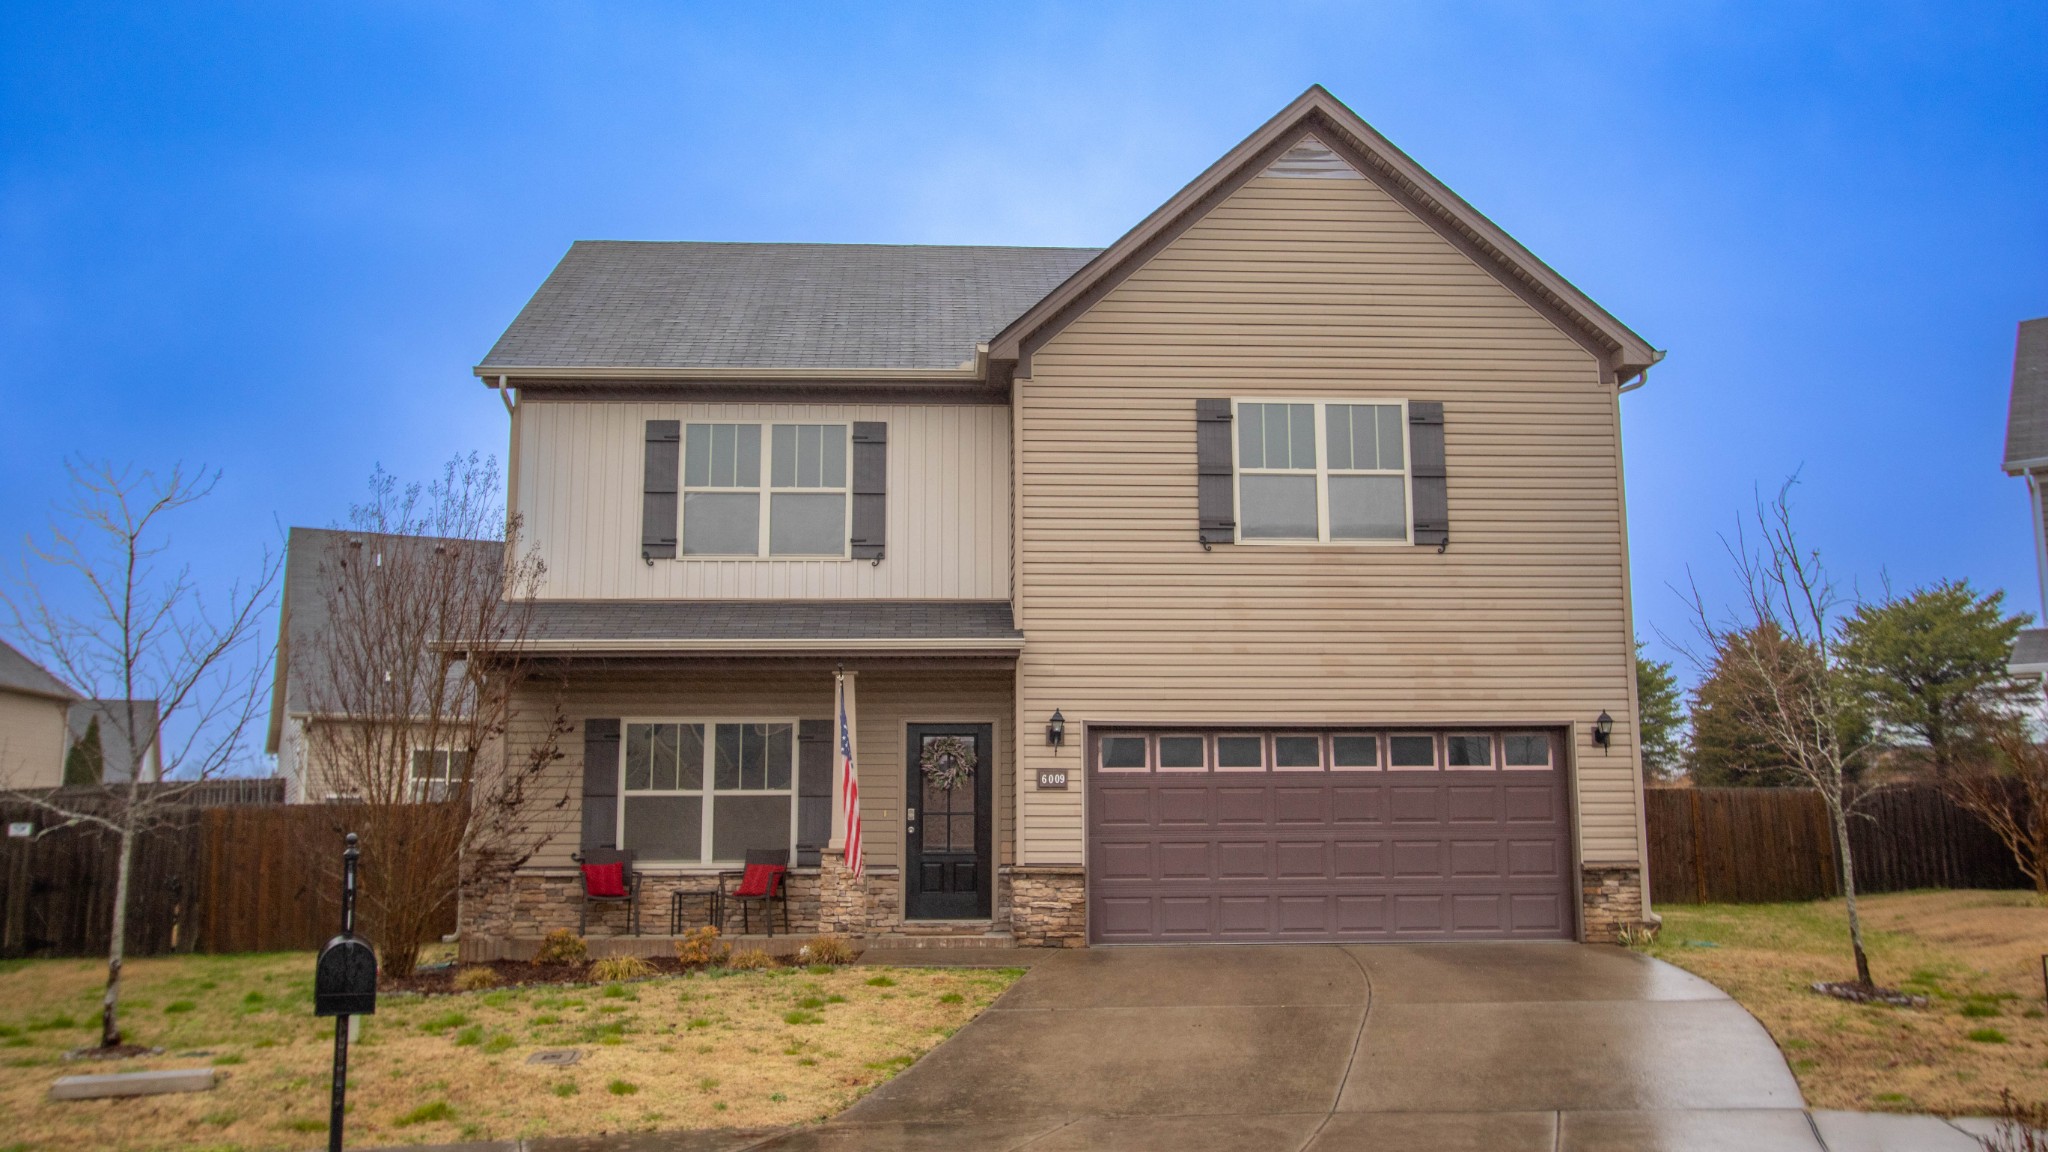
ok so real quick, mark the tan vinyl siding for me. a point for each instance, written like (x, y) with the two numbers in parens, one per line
(578, 485)
(32, 740)
(1322, 289)
(886, 700)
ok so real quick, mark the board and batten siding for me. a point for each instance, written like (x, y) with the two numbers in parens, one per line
(886, 701)
(1324, 289)
(578, 489)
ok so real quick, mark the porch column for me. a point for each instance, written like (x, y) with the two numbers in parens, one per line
(843, 695)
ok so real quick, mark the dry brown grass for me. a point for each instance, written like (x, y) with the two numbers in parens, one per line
(1976, 955)
(712, 1049)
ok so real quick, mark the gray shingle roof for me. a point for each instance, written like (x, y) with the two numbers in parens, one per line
(596, 623)
(18, 673)
(2026, 421)
(310, 552)
(635, 304)
(2030, 649)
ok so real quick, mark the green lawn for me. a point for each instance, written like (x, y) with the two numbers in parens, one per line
(1975, 955)
(711, 1049)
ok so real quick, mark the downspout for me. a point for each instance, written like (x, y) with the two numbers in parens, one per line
(1641, 378)
(505, 395)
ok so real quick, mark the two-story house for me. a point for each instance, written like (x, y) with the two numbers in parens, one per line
(1262, 576)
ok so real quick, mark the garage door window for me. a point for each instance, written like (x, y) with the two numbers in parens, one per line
(1240, 753)
(1411, 751)
(1355, 753)
(1525, 750)
(1183, 754)
(1298, 753)
(1468, 750)
(1123, 754)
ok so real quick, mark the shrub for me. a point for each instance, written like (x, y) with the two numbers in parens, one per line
(1637, 936)
(700, 947)
(562, 947)
(749, 959)
(475, 978)
(827, 950)
(620, 968)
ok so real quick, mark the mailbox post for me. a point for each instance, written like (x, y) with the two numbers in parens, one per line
(344, 985)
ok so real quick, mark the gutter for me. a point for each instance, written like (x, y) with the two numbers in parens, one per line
(685, 647)
(1642, 376)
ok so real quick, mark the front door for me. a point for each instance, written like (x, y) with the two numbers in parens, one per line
(947, 871)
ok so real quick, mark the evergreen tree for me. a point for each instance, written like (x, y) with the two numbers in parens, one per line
(1659, 716)
(1932, 668)
(1728, 748)
(86, 764)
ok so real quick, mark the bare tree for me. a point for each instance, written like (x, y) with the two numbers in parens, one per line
(415, 684)
(103, 606)
(1792, 689)
(2011, 797)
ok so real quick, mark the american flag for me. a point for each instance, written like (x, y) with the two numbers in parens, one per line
(852, 787)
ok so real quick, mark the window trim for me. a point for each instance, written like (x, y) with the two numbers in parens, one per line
(1493, 750)
(1159, 763)
(765, 491)
(1215, 750)
(413, 782)
(1321, 472)
(1436, 749)
(708, 791)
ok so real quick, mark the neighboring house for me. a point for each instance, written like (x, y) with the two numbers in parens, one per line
(301, 686)
(1269, 567)
(119, 721)
(32, 709)
(2026, 454)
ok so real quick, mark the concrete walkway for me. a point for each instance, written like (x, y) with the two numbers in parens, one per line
(1502, 1047)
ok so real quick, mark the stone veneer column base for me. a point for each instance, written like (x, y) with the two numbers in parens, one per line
(863, 907)
(1611, 899)
(1049, 906)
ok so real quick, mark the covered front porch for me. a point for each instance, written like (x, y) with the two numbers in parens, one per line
(693, 754)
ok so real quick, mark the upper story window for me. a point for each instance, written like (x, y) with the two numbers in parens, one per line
(1322, 471)
(800, 511)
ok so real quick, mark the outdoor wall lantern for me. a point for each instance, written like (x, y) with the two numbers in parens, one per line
(1056, 730)
(1603, 729)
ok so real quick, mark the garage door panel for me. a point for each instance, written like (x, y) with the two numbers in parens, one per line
(1360, 859)
(1332, 856)
(1418, 858)
(1355, 805)
(1298, 806)
(1300, 859)
(1475, 858)
(1244, 859)
(1413, 804)
(1180, 806)
(1469, 804)
(1186, 860)
(1125, 860)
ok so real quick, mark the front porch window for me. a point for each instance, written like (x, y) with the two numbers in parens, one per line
(704, 792)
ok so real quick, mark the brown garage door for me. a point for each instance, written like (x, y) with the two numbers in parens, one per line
(1326, 836)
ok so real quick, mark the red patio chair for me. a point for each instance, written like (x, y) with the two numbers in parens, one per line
(608, 878)
(765, 882)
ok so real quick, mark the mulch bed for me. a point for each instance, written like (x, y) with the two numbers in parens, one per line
(1869, 994)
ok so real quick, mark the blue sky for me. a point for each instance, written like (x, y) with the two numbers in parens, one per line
(274, 238)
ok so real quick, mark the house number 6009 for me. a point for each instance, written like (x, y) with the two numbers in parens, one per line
(1052, 779)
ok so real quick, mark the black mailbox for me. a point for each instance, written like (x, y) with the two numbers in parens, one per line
(345, 981)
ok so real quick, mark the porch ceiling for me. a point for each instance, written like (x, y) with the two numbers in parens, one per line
(779, 626)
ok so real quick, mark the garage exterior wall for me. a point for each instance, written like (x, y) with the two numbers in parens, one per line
(1321, 289)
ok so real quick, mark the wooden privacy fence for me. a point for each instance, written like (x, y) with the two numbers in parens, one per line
(1763, 845)
(232, 879)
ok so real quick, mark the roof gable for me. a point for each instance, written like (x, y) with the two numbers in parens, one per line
(1318, 137)
(20, 674)
(2026, 420)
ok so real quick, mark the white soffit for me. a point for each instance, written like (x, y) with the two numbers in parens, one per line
(1311, 159)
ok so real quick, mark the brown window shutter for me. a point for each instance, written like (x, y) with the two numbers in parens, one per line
(658, 490)
(813, 790)
(600, 784)
(1432, 489)
(1216, 505)
(870, 489)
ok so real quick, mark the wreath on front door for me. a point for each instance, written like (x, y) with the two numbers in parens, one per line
(947, 762)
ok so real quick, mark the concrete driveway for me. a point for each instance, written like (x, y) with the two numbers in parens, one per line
(1315, 1049)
